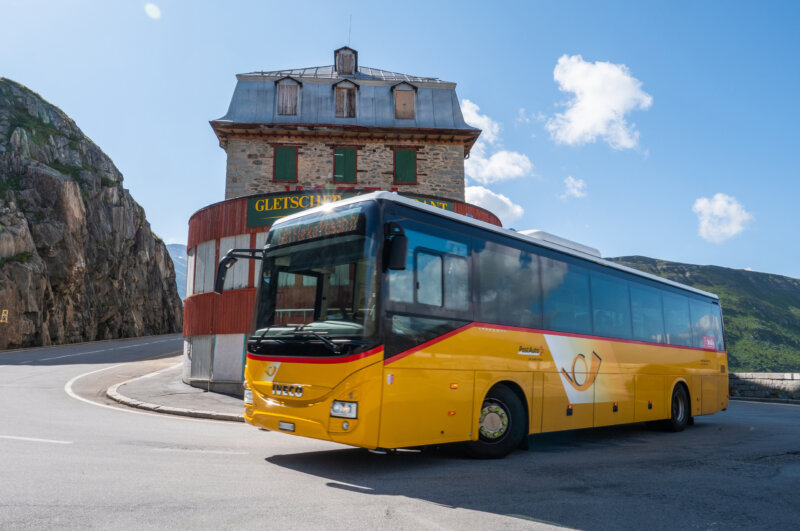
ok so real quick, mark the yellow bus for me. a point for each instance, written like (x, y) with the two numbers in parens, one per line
(385, 323)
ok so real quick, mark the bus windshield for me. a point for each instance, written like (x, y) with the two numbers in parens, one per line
(318, 282)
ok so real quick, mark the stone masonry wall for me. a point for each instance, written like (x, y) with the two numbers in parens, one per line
(440, 167)
(765, 385)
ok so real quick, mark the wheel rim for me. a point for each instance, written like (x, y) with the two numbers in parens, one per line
(678, 407)
(494, 421)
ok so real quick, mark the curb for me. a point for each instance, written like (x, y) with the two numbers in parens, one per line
(767, 400)
(114, 394)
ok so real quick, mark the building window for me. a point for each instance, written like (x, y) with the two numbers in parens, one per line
(404, 104)
(287, 99)
(405, 166)
(345, 63)
(344, 165)
(285, 164)
(345, 102)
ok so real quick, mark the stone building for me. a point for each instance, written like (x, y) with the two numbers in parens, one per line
(298, 138)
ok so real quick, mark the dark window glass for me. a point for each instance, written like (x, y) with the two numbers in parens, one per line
(286, 164)
(405, 166)
(438, 262)
(702, 324)
(344, 165)
(429, 279)
(510, 292)
(565, 293)
(716, 316)
(611, 310)
(676, 319)
(456, 283)
(648, 318)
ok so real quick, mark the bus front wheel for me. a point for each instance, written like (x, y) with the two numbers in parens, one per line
(501, 425)
(680, 410)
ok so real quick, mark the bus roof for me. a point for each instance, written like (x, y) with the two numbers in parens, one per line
(546, 243)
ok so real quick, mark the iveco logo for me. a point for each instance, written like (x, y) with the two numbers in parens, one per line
(287, 390)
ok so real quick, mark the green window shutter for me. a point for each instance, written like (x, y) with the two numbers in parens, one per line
(344, 166)
(286, 164)
(405, 168)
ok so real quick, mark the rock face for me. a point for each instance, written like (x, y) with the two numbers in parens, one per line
(78, 261)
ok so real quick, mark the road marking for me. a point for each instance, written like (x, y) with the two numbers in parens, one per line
(200, 451)
(72, 355)
(33, 439)
(70, 392)
(771, 403)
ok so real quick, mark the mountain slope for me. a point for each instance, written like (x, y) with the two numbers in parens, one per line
(78, 261)
(761, 311)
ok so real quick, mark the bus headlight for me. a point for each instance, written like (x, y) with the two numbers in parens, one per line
(345, 410)
(248, 397)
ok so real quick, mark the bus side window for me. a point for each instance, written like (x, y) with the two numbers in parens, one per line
(565, 290)
(510, 290)
(716, 316)
(702, 326)
(611, 310)
(429, 279)
(648, 317)
(676, 319)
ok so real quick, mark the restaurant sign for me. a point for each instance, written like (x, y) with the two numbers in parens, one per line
(264, 211)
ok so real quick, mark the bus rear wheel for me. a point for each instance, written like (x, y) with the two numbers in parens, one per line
(501, 425)
(680, 410)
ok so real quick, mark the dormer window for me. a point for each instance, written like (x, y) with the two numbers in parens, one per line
(345, 61)
(404, 100)
(345, 99)
(288, 95)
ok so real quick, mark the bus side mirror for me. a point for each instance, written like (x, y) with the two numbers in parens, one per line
(231, 258)
(222, 270)
(397, 252)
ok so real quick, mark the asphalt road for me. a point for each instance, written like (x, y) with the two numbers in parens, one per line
(69, 458)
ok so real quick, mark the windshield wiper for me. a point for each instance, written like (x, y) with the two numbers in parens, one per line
(337, 349)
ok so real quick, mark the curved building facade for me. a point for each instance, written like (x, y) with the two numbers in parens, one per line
(299, 138)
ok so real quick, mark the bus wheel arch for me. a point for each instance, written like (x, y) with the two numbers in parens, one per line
(680, 407)
(502, 422)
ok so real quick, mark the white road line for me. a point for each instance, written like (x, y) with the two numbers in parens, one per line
(73, 355)
(70, 392)
(760, 402)
(33, 439)
(200, 451)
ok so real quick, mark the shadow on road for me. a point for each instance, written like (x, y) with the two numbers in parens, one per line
(563, 479)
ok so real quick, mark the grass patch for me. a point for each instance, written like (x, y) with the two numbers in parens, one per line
(73, 171)
(21, 258)
(108, 183)
(40, 132)
(10, 181)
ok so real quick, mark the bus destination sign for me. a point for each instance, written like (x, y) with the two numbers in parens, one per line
(334, 225)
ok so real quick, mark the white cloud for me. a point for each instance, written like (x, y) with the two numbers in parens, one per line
(522, 116)
(720, 217)
(497, 204)
(500, 165)
(152, 11)
(604, 93)
(574, 188)
(490, 128)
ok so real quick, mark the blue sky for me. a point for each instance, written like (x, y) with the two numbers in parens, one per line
(662, 129)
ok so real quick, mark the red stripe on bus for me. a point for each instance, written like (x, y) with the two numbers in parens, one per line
(466, 327)
(425, 345)
(346, 359)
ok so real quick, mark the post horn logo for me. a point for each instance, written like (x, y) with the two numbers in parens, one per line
(591, 372)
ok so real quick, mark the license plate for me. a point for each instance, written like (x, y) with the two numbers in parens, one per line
(286, 426)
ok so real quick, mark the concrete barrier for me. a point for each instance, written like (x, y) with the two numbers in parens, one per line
(775, 385)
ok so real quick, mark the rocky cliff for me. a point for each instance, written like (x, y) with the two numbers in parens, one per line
(78, 261)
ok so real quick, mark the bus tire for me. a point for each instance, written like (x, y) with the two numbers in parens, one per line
(501, 425)
(680, 409)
